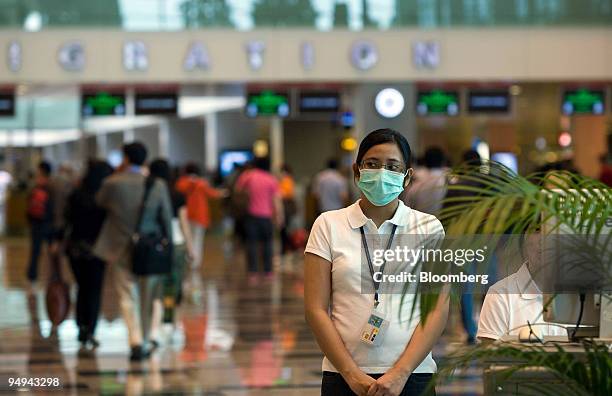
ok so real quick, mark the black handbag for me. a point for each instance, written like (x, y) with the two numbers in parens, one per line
(152, 252)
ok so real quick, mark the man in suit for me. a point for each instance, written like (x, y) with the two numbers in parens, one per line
(121, 195)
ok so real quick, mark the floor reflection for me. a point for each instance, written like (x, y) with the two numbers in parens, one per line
(230, 339)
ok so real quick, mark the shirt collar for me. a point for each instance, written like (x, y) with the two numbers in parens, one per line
(525, 283)
(357, 219)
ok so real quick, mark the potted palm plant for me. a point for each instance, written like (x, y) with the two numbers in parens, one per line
(493, 200)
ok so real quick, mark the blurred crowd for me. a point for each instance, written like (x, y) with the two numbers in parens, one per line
(96, 219)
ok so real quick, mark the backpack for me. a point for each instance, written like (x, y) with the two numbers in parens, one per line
(39, 203)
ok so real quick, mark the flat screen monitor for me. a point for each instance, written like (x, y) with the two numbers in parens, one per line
(509, 160)
(319, 102)
(268, 103)
(7, 104)
(230, 158)
(491, 101)
(103, 104)
(155, 103)
(583, 101)
(437, 102)
(565, 307)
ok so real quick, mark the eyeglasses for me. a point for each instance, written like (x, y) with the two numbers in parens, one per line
(376, 164)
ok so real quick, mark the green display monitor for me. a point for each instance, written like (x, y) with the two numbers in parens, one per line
(267, 103)
(583, 101)
(103, 104)
(437, 102)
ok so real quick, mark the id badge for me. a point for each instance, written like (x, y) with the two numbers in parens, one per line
(374, 331)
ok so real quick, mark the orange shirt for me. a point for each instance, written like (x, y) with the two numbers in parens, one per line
(287, 187)
(197, 191)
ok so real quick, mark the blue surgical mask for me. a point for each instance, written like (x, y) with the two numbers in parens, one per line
(380, 186)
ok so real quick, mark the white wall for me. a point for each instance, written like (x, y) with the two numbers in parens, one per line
(236, 131)
(186, 141)
(149, 136)
(527, 54)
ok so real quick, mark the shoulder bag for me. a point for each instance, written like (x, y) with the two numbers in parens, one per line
(151, 252)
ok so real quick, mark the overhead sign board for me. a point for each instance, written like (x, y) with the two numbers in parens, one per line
(155, 103)
(267, 103)
(583, 101)
(437, 102)
(489, 101)
(319, 102)
(7, 104)
(103, 104)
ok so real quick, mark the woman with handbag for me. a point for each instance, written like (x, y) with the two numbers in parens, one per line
(182, 245)
(83, 221)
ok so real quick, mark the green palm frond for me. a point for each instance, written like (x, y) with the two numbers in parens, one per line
(497, 202)
(590, 374)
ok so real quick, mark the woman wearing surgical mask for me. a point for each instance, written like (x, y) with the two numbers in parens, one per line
(370, 349)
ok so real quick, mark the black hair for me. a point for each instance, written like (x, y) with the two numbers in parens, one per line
(332, 163)
(97, 171)
(471, 157)
(434, 157)
(193, 169)
(136, 153)
(287, 169)
(382, 136)
(160, 168)
(262, 163)
(45, 167)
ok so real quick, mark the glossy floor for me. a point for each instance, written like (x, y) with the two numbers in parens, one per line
(233, 338)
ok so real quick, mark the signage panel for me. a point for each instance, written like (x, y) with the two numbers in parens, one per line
(319, 102)
(437, 102)
(491, 101)
(267, 103)
(155, 103)
(7, 104)
(103, 104)
(583, 101)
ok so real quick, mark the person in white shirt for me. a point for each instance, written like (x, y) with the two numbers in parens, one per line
(516, 301)
(337, 310)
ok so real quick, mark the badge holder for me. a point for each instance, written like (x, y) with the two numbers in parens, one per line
(374, 331)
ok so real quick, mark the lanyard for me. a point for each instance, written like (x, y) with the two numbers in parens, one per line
(382, 267)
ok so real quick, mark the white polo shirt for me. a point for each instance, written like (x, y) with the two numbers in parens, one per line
(335, 236)
(510, 303)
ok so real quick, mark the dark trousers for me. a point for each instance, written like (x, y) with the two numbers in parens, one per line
(285, 243)
(334, 385)
(39, 233)
(258, 232)
(89, 275)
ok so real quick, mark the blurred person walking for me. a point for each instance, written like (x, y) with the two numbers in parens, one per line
(62, 185)
(40, 216)
(83, 220)
(197, 192)
(471, 158)
(237, 209)
(330, 188)
(428, 189)
(128, 212)
(264, 208)
(287, 193)
(183, 247)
